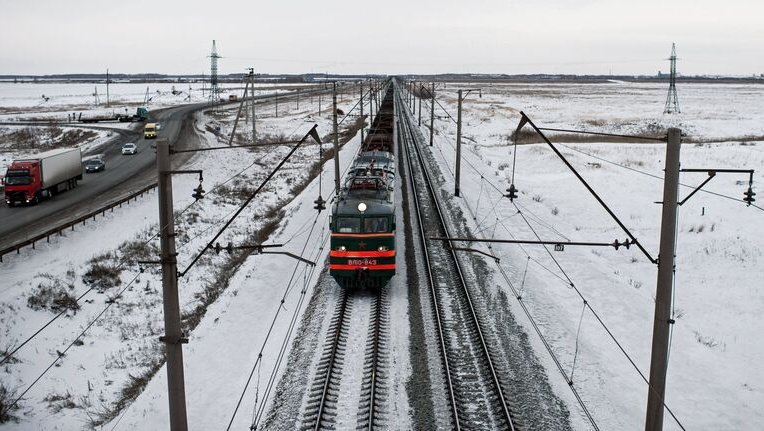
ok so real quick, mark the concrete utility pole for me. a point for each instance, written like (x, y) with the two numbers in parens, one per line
(371, 104)
(458, 144)
(420, 104)
(662, 322)
(459, 138)
(362, 118)
(108, 101)
(336, 141)
(252, 80)
(432, 111)
(173, 337)
(411, 94)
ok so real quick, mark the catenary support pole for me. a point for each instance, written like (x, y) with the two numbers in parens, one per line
(371, 103)
(173, 337)
(362, 118)
(252, 86)
(420, 105)
(336, 141)
(432, 111)
(662, 321)
(108, 100)
(458, 144)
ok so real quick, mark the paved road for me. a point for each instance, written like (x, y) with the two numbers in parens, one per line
(122, 174)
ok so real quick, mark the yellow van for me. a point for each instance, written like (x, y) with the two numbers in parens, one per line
(150, 131)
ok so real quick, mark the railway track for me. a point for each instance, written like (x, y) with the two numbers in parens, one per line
(477, 397)
(349, 387)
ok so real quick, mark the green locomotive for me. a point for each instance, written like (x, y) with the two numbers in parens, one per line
(363, 215)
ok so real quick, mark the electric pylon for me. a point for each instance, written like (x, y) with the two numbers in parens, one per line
(672, 102)
(214, 89)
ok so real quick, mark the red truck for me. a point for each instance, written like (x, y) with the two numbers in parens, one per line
(35, 178)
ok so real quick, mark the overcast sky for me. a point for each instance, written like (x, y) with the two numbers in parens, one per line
(390, 37)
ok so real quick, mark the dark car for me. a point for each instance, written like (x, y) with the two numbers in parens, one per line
(94, 165)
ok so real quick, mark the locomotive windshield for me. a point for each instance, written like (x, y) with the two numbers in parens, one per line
(348, 225)
(375, 225)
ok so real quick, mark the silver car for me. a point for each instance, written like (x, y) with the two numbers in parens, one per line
(129, 148)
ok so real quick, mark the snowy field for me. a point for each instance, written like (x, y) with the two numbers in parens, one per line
(57, 104)
(715, 370)
(113, 375)
(107, 368)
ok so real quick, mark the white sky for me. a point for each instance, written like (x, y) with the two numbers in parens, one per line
(392, 37)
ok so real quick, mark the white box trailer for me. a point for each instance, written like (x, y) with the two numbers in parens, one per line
(60, 166)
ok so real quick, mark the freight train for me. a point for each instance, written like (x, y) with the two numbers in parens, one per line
(363, 215)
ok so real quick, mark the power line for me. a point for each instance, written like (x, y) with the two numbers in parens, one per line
(311, 132)
(585, 302)
(602, 159)
(63, 353)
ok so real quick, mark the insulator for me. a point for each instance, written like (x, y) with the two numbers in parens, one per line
(749, 196)
(320, 204)
(512, 192)
(198, 192)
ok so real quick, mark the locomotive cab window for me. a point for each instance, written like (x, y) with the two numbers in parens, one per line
(375, 225)
(348, 225)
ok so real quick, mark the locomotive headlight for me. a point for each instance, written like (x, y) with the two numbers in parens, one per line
(382, 248)
(362, 207)
(342, 248)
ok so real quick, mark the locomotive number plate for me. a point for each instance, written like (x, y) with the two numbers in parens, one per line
(362, 262)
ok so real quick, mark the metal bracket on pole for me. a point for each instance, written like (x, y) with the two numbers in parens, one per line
(174, 340)
(615, 244)
(590, 189)
(749, 194)
(258, 249)
(473, 250)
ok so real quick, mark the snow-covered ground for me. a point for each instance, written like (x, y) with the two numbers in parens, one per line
(715, 365)
(714, 370)
(51, 100)
(121, 350)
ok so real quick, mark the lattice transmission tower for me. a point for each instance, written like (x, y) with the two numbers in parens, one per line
(672, 102)
(214, 88)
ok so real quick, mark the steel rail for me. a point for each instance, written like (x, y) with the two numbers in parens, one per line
(377, 312)
(433, 291)
(332, 359)
(462, 281)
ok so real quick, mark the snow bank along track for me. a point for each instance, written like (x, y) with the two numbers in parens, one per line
(335, 389)
(477, 397)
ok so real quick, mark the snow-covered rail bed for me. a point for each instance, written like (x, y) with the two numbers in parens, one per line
(473, 378)
(349, 384)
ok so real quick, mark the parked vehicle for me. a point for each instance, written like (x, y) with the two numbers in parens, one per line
(35, 178)
(150, 131)
(95, 164)
(129, 148)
